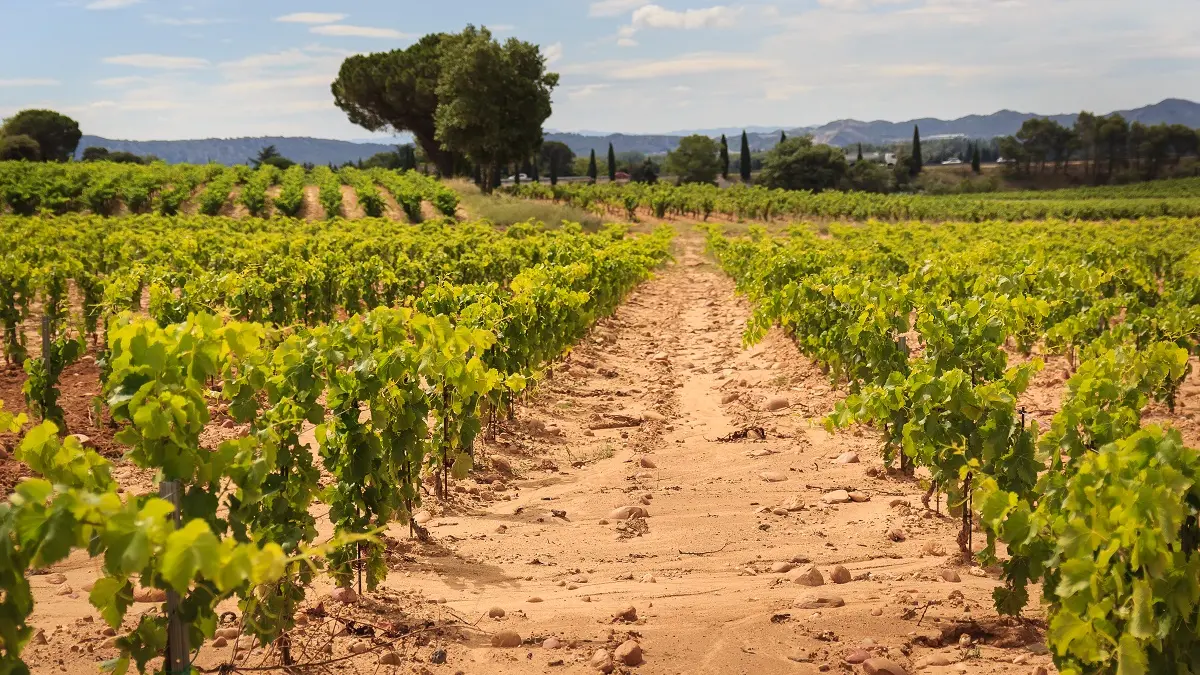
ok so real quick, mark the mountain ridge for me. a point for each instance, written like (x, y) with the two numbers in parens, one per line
(844, 132)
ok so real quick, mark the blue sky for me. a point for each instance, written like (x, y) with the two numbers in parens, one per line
(172, 69)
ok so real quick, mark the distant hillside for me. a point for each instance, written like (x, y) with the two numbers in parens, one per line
(850, 132)
(840, 132)
(231, 151)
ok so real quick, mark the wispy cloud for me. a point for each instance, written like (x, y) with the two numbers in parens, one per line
(310, 17)
(283, 59)
(688, 64)
(657, 16)
(859, 5)
(625, 36)
(654, 16)
(182, 21)
(553, 53)
(312, 82)
(932, 70)
(585, 91)
(614, 7)
(151, 104)
(111, 4)
(343, 30)
(121, 81)
(30, 82)
(157, 61)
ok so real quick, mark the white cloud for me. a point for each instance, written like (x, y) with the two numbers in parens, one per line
(690, 65)
(553, 53)
(157, 61)
(785, 92)
(859, 5)
(122, 81)
(626, 42)
(585, 91)
(310, 17)
(933, 70)
(285, 92)
(182, 21)
(614, 7)
(655, 16)
(288, 57)
(343, 30)
(150, 104)
(30, 82)
(111, 4)
(310, 82)
(685, 65)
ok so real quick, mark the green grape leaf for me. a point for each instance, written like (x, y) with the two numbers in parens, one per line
(187, 551)
(112, 597)
(1131, 657)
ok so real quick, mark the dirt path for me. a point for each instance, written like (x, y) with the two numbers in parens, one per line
(714, 573)
(671, 356)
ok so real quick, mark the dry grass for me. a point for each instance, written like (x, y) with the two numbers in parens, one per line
(504, 211)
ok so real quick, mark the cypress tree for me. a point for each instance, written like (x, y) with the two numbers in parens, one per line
(724, 157)
(533, 170)
(554, 168)
(782, 136)
(745, 160)
(592, 166)
(860, 152)
(478, 176)
(917, 161)
(975, 160)
(612, 164)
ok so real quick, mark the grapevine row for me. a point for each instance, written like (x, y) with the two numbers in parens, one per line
(920, 322)
(757, 203)
(103, 188)
(429, 366)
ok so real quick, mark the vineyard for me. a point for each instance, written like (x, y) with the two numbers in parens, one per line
(259, 432)
(436, 330)
(931, 328)
(1178, 198)
(107, 189)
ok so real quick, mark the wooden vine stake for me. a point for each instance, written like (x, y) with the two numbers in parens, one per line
(905, 464)
(46, 341)
(177, 638)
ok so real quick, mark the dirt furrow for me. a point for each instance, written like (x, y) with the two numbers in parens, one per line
(722, 515)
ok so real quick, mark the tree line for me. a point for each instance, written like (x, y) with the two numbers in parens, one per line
(1106, 146)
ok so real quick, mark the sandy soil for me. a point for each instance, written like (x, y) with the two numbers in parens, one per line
(391, 208)
(635, 418)
(350, 207)
(310, 208)
(273, 193)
